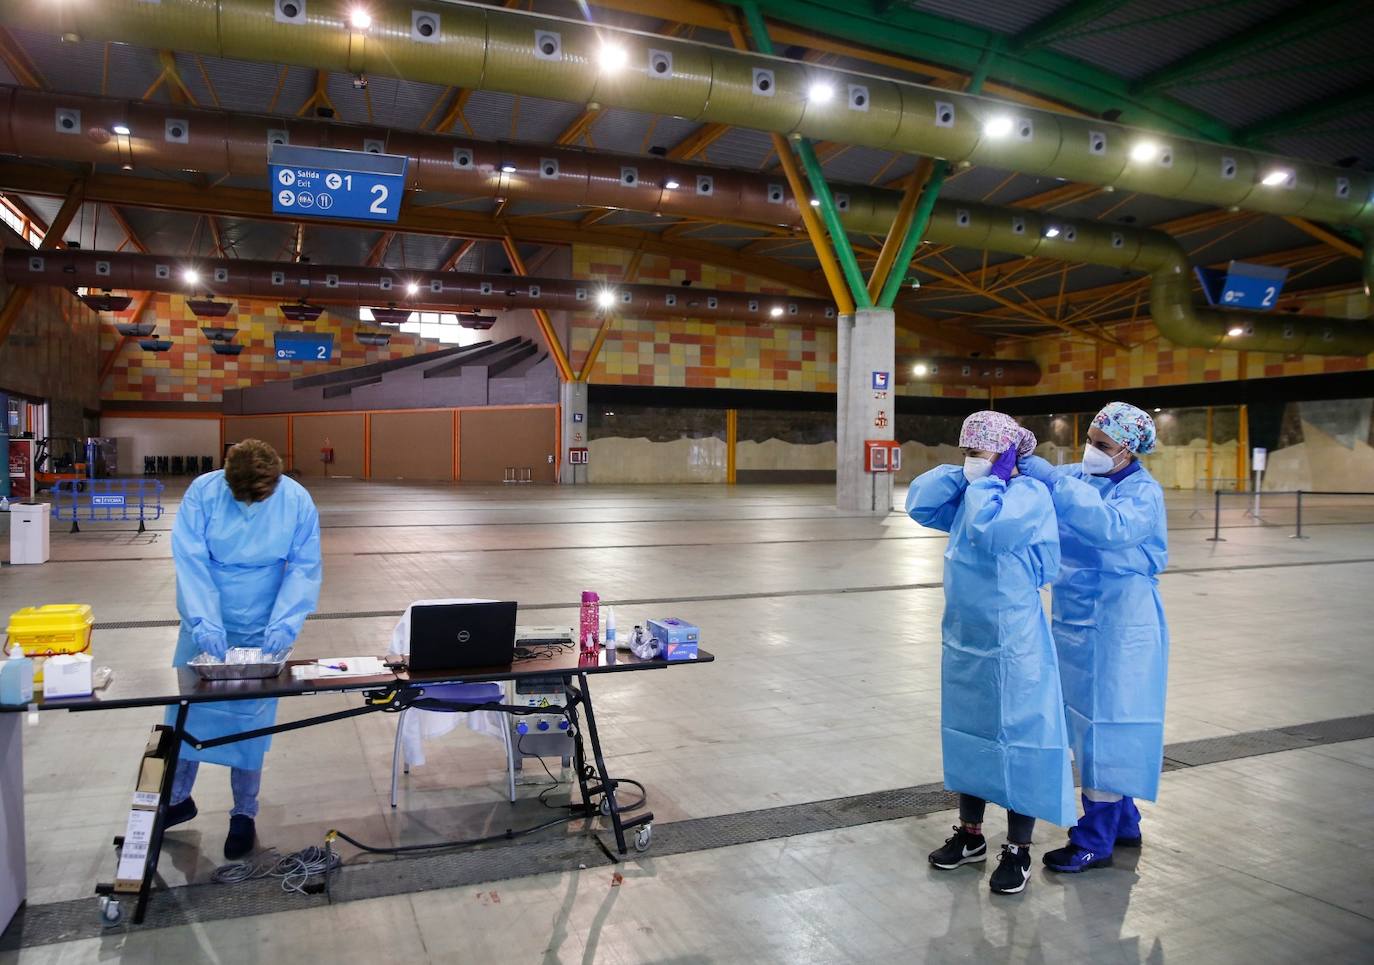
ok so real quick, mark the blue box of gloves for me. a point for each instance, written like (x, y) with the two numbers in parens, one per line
(678, 637)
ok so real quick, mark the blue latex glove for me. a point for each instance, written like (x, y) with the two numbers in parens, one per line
(1036, 468)
(1005, 463)
(277, 642)
(211, 641)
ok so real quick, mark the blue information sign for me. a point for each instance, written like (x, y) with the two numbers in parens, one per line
(1242, 285)
(107, 499)
(303, 347)
(316, 182)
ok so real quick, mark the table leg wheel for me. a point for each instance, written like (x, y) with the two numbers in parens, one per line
(644, 837)
(605, 806)
(111, 912)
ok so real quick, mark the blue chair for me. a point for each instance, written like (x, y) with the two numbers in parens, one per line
(465, 693)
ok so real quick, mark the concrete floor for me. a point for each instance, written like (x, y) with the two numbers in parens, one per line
(826, 629)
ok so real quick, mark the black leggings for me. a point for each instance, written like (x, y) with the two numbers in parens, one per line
(1020, 827)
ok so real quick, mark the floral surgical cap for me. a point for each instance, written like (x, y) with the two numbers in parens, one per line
(995, 432)
(1127, 426)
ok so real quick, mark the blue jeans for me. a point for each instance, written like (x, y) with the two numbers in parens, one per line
(244, 784)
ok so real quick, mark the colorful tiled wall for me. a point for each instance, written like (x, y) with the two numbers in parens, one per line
(1085, 365)
(698, 354)
(190, 371)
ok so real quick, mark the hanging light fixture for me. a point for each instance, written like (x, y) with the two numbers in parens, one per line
(105, 302)
(208, 307)
(301, 311)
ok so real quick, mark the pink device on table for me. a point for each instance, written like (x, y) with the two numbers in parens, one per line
(590, 627)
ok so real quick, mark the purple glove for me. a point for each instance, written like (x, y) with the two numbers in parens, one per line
(1005, 464)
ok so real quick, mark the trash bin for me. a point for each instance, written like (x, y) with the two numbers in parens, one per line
(28, 532)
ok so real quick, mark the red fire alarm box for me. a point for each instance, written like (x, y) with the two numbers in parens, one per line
(882, 455)
(577, 456)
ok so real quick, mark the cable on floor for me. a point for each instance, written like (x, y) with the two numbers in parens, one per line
(295, 869)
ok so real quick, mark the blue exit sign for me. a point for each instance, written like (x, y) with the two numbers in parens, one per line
(1243, 285)
(317, 182)
(301, 347)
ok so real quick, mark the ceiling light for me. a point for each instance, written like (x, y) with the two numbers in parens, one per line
(191, 276)
(1159, 410)
(920, 369)
(1052, 232)
(999, 126)
(671, 184)
(775, 311)
(360, 19)
(1144, 151)
(1275, 178)
(820, 92)
(613, 57)
(605, 298)
(508, 168)
(815, 202)
(412, 288)
(1235, 330)
(121, 130)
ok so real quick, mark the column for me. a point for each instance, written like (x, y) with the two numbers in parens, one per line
(866, 407)
(572, 398)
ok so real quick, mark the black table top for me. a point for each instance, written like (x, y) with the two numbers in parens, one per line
(154, 688)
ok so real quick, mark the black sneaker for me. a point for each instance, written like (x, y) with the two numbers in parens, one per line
(242, 836)
(180, 813)
(1013, 870)
(962, 848)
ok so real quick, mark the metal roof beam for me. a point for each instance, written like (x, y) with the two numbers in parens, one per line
(1310, 115)
(1049, 29)
(1286, 27)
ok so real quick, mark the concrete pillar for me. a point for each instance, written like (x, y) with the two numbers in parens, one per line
(572, 396)
(865, 346)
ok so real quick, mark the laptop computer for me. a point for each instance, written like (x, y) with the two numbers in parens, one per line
(461, 636)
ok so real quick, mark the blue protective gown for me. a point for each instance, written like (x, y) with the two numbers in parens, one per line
(1109, 625)
(1002, 726)
(245, 569)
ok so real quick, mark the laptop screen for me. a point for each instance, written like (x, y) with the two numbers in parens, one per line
(461, 636)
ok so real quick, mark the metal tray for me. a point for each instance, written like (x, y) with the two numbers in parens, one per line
(251, 666)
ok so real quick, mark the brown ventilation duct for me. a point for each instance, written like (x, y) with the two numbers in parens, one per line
(943, 370)
(446, 291)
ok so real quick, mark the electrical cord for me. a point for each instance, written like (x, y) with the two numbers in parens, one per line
(295, 869)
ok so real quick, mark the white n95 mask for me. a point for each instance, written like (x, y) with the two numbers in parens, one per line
(1096, 462)
(975, 468)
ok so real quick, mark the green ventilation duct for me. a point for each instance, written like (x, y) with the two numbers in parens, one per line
(470, 46)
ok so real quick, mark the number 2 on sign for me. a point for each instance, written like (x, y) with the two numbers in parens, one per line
(379, 192)
(1268, 296)
(321, 352)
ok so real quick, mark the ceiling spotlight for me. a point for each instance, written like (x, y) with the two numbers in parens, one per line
(1275, 178)
(1052, 232)
(1235, 330)
(920, 369)
(775, 311)
(412, 288)
(1144, 151)
(672, 184)
(820, 92)
(360, 19)
(613, 57)
(121, 129)
(191, 276)
(999, 126)
(507, 167)
(605, 298)
(1159, 410)
(815, 202)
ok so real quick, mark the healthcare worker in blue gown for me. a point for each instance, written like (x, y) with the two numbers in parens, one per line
(1110, 630)
(246, 545)
(1002, 728)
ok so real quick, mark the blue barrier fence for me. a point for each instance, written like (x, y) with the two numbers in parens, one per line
(107, 501)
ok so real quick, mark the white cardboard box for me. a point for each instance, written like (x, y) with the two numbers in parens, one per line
(68, 675)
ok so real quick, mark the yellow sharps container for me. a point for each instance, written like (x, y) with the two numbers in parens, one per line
(45, 631)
